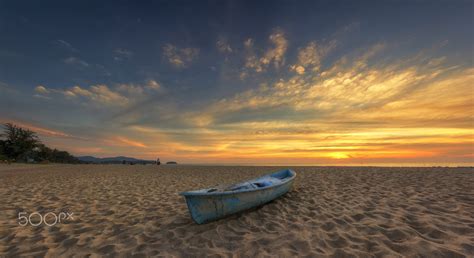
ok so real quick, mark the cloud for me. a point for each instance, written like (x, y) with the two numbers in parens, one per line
(121, 54)
(41, 96)
(310, 57)
(252, 62)
(41, 130)
(298, 69)
(180, 57)
(41, 89)
(121, 95)
(277, 53)
(41, 92)
(125, 141)
(66, 45)
(75, 61)
(344, 85)
(248, 43)
(6, 88)
(154, 85)
(274, 55)
(340, 111)
(99, 94)
(140, 90)
(367, 105)
(223, 46)
(131, 89)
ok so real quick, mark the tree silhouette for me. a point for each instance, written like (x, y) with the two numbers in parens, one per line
(23, 145)
(19, 142)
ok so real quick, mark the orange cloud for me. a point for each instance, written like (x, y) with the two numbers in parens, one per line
(38, 129)
(417, 108)
(360, 108)
(129, 142)
(274, 54)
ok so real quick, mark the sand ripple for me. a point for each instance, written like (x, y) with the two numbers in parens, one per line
(134, 211)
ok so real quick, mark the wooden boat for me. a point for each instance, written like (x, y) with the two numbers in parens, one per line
(214, 203)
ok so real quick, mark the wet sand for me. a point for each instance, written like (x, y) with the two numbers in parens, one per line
(121, 210)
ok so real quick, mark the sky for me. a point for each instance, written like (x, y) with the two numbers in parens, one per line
(243, 82)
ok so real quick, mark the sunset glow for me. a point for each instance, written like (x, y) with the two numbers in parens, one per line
(265, 95)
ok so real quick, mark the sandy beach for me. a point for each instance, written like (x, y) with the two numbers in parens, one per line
(135, 211)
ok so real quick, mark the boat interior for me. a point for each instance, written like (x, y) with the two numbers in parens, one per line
(262, 182)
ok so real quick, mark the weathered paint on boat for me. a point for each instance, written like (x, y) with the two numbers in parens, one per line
(210, 204)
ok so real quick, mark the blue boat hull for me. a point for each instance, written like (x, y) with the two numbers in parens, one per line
(205, 207)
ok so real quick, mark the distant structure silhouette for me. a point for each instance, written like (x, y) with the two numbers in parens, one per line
(158, 161)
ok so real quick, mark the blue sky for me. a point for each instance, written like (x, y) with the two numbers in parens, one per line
(114, 77)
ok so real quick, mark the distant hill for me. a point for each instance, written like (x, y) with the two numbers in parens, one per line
(113, 160)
